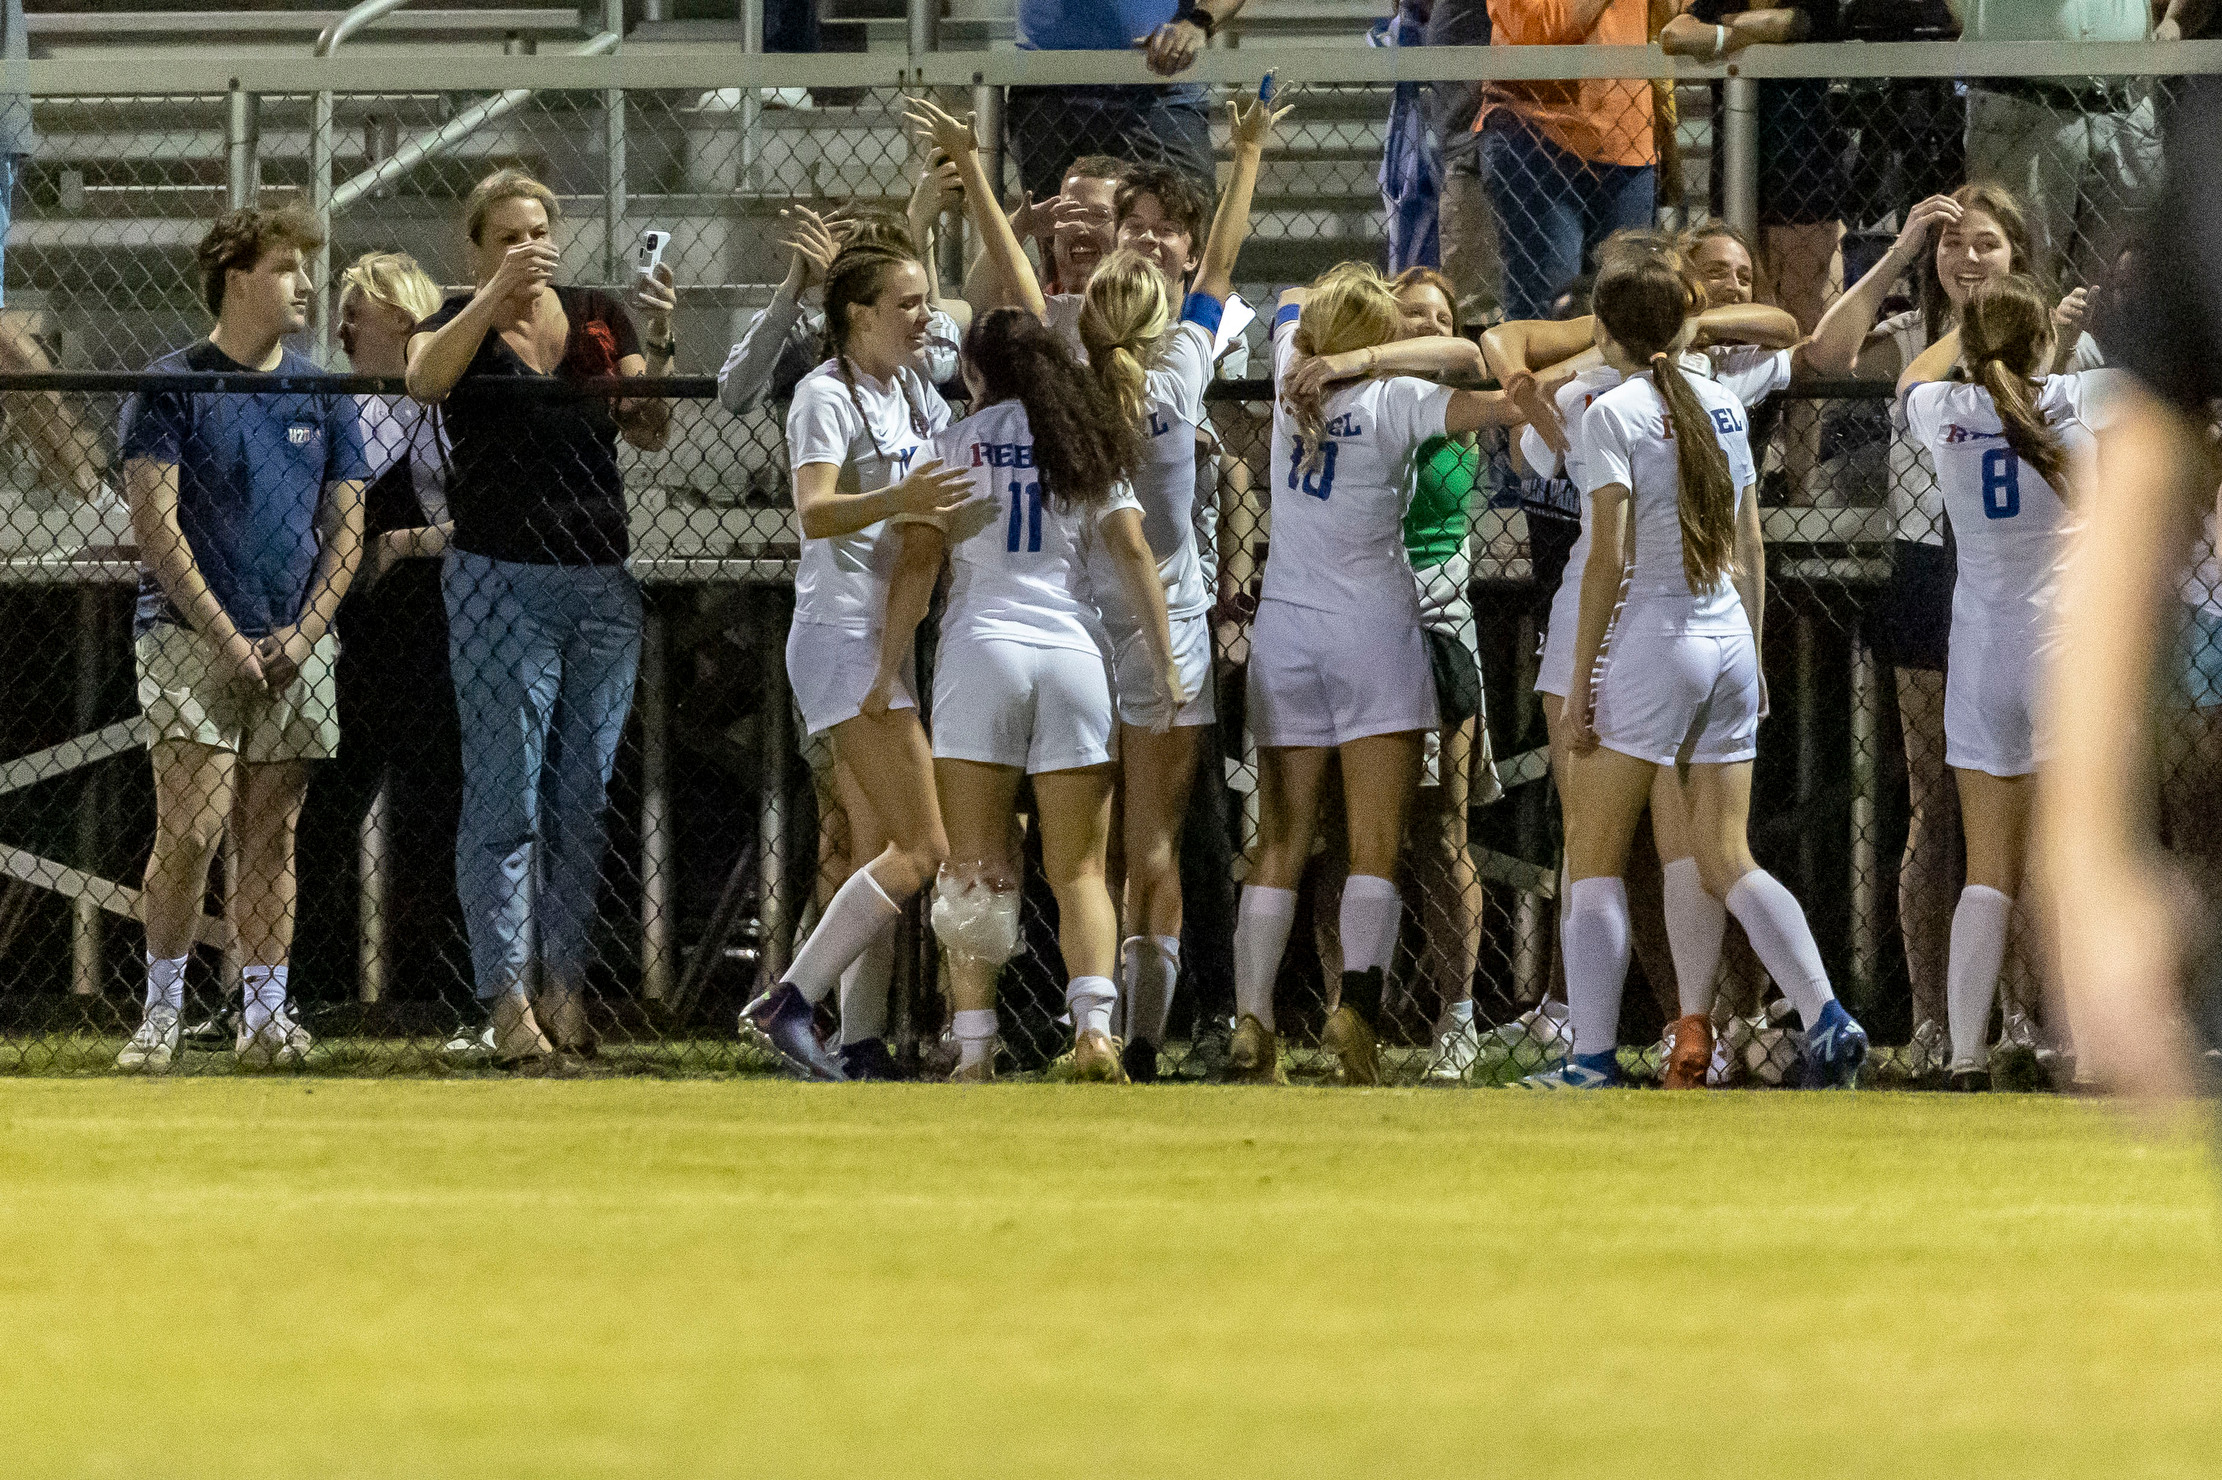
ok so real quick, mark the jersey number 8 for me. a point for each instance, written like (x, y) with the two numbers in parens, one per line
(2001, 483)
(1026, 497)
(1319, 482)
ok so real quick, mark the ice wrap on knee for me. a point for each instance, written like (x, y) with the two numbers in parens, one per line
(975, 912)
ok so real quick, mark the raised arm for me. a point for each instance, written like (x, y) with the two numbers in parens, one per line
(939, 184)
(919, 546)
(1761, 325)
(645, 421)
(748, 369)
(437, 360)
(1251, 129)
(1841, 340)
(999, 243)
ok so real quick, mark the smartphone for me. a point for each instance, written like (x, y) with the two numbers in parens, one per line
(651, 254)
(1265, 89)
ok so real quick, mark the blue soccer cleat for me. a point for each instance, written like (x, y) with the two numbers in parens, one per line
(1835, 1049)
(782, 1020)
(1580, 1071)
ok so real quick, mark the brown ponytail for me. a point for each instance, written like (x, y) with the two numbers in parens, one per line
(1643, 300)
(2005, 335)
(1083, 445)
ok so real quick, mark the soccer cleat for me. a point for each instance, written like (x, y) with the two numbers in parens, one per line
(1456, 1048)
(1730, 1045)
(1835, 1048)
(1580, 1071)
(1140, 1059)
(154, 1045)
(981, 1073)
(1350, 1038)
(1928, 1053)
(1536, 1038)
(1254, 1057)
(868, 1059)
(1968, 1077)
(1095, 1059)
(785, 1022)
(280, 1043)
(1689, 1050)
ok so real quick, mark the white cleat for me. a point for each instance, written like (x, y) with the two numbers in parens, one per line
(281, 1044)
(155, 1044)
(1456, 1048)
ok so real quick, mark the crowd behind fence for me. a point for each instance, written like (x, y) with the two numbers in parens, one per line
(710, 874)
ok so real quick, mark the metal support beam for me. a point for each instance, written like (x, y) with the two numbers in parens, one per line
(659, 851)
(1739, 146)
(613, 157)
(372, 839)
(925, 26)
(242, 143)
(775, 904)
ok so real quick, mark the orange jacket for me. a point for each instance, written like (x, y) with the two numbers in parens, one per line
(1605, 121)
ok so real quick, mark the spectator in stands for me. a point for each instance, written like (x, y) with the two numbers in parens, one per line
(1411, 175)
(1467, 235)
(396, 700)
(248, 511)
(544, 618)
(1049, 127)
(786, 339)
(1566, 164)
(2082, 153)
(66, 453)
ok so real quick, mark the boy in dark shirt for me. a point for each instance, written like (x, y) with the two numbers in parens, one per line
(248, 511)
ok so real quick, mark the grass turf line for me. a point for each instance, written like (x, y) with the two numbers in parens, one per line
(617, 1278)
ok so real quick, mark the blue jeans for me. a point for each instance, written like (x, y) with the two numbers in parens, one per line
(1553, 208)
(544, 658)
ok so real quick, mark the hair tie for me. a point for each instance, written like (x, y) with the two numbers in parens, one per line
(1661, 355)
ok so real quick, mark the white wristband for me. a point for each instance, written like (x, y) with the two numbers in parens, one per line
(1720, 42)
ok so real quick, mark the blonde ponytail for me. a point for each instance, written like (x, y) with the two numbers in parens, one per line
(1351, 306)
(2005, 333)
(1125, 313)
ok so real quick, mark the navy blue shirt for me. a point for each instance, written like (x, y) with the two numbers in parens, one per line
(1089, 25)
(251, 472)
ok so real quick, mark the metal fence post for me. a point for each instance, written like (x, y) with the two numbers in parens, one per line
(752, 99)
(242, 143)
(1867, 881)
(658, 853)
(775, 906)
(1739, 145)
(1809, 752)
(987, 122)
(925, 26)
(613, 158)
(371, 839)
(85, 928)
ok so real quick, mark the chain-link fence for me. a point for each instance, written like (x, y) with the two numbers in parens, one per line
(592, 779)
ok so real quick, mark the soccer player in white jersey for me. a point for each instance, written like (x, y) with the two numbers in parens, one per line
(2003, 444)
(859, 436)
(1022, 686)
(1666, 467)
(1749, 358)
(1338, 668)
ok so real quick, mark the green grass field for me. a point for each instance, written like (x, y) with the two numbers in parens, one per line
(276, 1277)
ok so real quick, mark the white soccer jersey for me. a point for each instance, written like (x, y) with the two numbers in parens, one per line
(1338, 530)
(1625, 439)
(1165, 479)
(841, 582)
(2008, 522)
(1018, 560)
(1748, 373)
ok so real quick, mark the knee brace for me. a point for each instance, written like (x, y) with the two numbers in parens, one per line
(975, 914)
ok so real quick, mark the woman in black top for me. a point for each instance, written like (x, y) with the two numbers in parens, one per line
(544, 618)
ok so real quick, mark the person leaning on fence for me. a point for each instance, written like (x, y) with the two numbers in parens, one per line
(544, 618)
(248, 512)
(1565, 164)
(1047, 128)
(782, 342)
(1952, 244)
(396, 697)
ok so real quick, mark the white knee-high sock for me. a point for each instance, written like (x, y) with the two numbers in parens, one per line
(1152, 967)
(859, 911)
(1594, 935)
(1371, 913)
(1695, 923)
(1090, 999)
(1978, 953)
(864, 990)
(1261, 926)
(1782, 941)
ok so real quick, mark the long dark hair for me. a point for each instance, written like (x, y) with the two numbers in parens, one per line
(1643, 302)
(855, 279)
(1083, 445)
(2004, 207)
(2005, 334)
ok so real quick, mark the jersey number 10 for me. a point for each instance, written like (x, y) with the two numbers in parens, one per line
(1026, 497)
(1320, 481)
(2001, 483)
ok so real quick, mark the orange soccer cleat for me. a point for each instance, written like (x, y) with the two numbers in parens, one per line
(1689, 1050)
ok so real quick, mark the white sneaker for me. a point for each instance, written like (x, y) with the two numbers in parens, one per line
(1536, 1028)
(2020, 1031)
(1456, 1048)
(155, 1044)
(466, 1045)
(1929, 1052)
(282, 1043)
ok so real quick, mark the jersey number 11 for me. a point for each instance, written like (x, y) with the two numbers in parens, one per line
(1026, 497)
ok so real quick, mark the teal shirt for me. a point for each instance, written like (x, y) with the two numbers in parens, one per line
(1435, 521)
